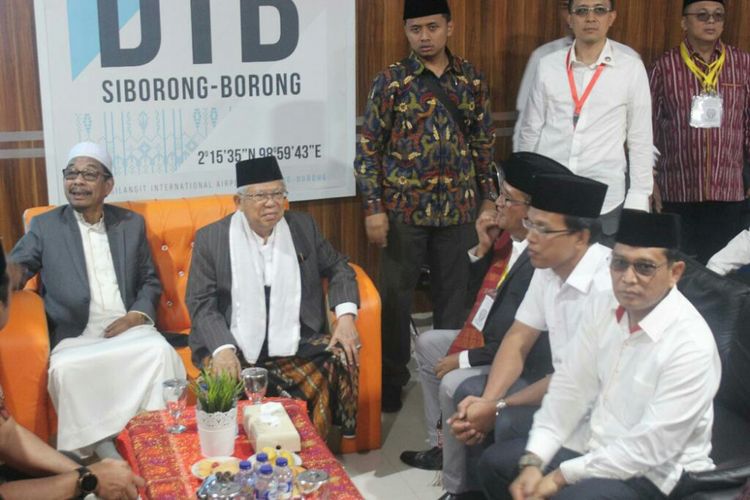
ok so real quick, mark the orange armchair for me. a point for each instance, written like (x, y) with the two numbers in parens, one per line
(171, 226)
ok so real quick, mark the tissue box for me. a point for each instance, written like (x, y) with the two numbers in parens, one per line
(269, 425)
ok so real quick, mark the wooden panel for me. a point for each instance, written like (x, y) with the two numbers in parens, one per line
(496, 35)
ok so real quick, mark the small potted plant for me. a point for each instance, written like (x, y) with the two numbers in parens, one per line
(216, 413)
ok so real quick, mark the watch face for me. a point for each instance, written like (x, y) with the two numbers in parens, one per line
(89, 483)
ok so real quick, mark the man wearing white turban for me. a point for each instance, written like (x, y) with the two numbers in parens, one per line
(100, 291)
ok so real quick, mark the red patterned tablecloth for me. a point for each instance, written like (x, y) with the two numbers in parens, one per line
(164, 460)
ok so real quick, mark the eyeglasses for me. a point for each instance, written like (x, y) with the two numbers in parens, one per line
(506, 200)
(642, 268)
(705, 17)
(70, 174)
(598, 11)
(543, 231)
(263, 197)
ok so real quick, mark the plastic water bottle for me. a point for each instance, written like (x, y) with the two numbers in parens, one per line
(284, 479)
(245, 478)
(261, 459)
(265, 484)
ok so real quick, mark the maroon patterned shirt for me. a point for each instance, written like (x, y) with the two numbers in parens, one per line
(700, 164)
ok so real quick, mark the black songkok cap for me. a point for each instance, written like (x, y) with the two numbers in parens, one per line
(422, 8)
(568, 195)
(642, 229)
(521, 168)
(257, 171)
(685, 3)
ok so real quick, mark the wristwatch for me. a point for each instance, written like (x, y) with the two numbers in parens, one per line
(500, 406)
(529, 460)
(87, 482)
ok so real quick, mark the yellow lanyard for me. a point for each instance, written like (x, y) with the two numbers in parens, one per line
(709, 80)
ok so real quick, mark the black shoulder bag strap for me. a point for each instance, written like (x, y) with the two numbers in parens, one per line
(432, 84)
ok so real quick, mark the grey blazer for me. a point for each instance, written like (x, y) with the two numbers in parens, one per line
(53, 248)
(209, 289)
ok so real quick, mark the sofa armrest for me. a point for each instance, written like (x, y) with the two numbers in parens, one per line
(721, 478)
(24, 358)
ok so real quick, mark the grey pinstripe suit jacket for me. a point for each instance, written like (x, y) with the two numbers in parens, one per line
(209, 289)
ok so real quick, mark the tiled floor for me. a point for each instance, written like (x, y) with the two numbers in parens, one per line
(380, 474)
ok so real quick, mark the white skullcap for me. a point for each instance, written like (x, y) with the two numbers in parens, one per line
(92, 150)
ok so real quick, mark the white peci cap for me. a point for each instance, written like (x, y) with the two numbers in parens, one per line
(92, 150)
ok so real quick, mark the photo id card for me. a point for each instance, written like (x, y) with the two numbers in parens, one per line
(480, 318)
(707, 111)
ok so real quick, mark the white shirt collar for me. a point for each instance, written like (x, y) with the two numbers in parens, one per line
(97, 226)
(662, 316)
(587, 268)
(606, 56)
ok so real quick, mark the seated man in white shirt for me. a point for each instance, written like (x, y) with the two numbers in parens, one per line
(590, 109)
(255, 297)
(570, 266)
(500, 272)
(100, 292)
(733, 256)
(640, 375)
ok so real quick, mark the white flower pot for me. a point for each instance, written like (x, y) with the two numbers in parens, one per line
(217, 432)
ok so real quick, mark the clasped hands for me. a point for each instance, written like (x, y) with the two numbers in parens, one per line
(532, 485)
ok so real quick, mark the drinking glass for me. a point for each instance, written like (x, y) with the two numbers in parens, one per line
(311, 482)
(256, 383)
(174, 391)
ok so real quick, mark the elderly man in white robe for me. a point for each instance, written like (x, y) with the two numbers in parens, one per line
(100, 290)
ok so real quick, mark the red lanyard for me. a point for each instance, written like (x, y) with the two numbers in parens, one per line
(574, 91)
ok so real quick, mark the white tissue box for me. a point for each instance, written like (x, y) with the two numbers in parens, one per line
(269, 425)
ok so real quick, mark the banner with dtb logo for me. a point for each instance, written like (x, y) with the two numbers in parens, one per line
(180, 90)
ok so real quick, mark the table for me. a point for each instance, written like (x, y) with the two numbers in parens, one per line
(164, 459)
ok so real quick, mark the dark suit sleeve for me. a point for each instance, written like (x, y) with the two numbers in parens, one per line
(149, 286)
(477, 271)
(209, 328)
(342, 281)
(29, 249)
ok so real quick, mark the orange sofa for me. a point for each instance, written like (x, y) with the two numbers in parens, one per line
(171, 227)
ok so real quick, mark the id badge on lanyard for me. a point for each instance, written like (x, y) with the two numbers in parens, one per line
(707, 110)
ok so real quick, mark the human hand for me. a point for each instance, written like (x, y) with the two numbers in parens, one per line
(226, 361)
(550, 485)
(376, 226)
(526, 483)
(461, 427)
(345, 334)
(481, 415)
(446, 364)
(125, 323)
(116, 480)
(487, 231)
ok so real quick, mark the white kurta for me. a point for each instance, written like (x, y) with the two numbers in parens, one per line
(97, 384)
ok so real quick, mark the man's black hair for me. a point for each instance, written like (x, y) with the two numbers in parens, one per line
(673, 255)
(576, 224)
(448, 18)
(611, 4)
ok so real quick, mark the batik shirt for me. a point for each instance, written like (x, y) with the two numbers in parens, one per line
(413, 160)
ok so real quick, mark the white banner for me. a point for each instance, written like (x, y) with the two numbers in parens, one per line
(180, 90)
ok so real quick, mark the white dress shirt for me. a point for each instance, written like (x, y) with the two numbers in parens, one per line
(733, 256)
(532, 66)
(106, 303)
(617, 112)
(557, 306)
(516, 251)
(651, 391)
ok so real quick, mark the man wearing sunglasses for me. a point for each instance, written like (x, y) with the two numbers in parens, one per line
(500, 274)
(640, 376)
(100, 292)
(562, 229)
(590, 110)
(701, 98)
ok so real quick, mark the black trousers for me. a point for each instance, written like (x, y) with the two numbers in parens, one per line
(707, 226)
(498, 468)
(409, 247)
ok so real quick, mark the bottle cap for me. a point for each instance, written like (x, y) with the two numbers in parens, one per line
(282, 462)
(261, 457)
(244, 465)
(266, 469)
